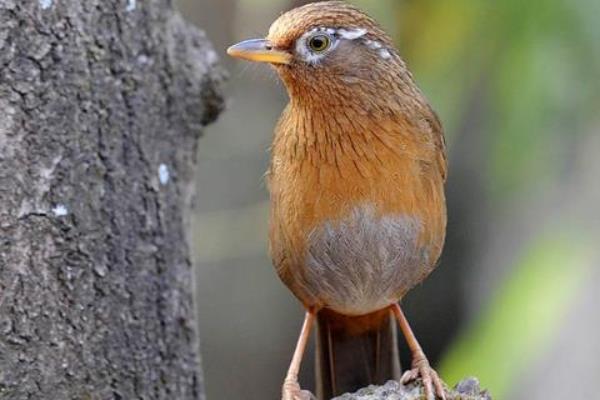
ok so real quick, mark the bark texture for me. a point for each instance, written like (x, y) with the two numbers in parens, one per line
(101, 106)
(467, 389)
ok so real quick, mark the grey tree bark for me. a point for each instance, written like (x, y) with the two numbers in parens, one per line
(101, 106)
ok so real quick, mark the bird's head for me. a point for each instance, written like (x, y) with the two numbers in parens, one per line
(329, 49)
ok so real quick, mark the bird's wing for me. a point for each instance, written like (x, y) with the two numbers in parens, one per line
(439, 141)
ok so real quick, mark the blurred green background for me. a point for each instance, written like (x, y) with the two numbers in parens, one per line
(515, 300)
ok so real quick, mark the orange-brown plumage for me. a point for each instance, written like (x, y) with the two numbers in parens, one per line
(358, 212)
(322, 170)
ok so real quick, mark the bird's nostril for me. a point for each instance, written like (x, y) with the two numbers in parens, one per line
(268, 47)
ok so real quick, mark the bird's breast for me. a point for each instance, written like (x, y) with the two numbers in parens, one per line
(364, 262)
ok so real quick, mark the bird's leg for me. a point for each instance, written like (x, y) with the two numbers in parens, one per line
(420, 364)
(291, 388)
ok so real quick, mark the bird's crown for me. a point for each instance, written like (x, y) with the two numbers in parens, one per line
(335, 18)
(307, 35)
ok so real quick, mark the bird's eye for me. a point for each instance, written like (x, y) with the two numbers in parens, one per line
(319, 43)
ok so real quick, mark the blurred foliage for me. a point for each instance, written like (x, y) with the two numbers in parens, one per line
(535, 65)
(515, 327)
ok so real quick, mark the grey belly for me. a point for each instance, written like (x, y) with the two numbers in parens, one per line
(364, 263)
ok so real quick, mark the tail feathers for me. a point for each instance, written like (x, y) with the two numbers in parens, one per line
(353, 352)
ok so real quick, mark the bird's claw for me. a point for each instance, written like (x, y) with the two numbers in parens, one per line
(292, 391)
(431, 379)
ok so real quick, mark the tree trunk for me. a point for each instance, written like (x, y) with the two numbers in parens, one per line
(101, 106)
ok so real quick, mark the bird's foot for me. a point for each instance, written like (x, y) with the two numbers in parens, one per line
(431, 380)
(291, 391)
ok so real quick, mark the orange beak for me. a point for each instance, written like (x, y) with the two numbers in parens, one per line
(259, 50)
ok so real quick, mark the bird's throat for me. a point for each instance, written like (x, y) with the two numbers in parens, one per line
(338, 135)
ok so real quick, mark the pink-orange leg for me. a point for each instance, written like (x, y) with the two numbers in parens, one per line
(420, 364)
(291, 388)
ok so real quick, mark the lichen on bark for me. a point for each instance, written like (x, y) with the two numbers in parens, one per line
(467, 389)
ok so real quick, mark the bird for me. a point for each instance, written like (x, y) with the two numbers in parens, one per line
(357, 205)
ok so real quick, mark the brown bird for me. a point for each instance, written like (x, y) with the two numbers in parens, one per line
(358, 213)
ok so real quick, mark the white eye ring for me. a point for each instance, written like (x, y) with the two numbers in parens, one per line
(313, 55)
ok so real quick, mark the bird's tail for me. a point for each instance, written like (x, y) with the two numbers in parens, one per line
(353, 352)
